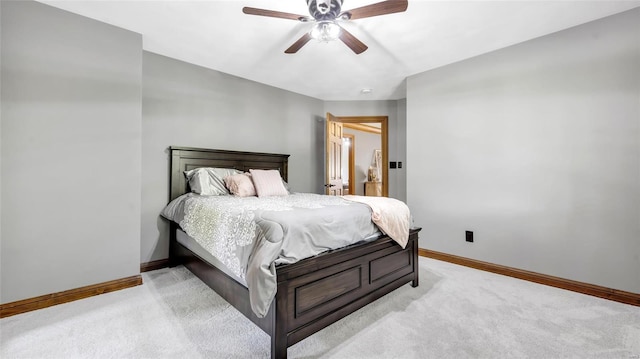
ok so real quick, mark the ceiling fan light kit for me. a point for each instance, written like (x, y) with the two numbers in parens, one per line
(327, 14)
(325, 31)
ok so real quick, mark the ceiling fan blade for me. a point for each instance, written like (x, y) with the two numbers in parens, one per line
(381, 8)
(354, 44)
(298, 44)
(272, 13)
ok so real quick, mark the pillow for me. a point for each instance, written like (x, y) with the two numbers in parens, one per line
(268, 183)
(209, 181)
(240, 185)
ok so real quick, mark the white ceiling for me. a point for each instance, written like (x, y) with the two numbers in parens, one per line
(217, 35)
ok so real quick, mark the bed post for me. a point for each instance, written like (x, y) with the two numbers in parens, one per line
(174, 258)
(279, 337)
(416, 250)
(176, 188)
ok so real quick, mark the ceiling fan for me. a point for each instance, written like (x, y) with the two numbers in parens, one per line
(326, 14)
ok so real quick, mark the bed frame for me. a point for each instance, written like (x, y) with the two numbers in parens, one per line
(312, 293)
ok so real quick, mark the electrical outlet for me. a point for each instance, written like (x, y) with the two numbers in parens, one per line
(469, 236)
(399, 164)
(393, 164)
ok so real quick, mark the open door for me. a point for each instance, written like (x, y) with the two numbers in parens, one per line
(333, 159)
(356, 122)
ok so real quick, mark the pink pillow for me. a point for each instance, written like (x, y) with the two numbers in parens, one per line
(268, 183)
(240, 185)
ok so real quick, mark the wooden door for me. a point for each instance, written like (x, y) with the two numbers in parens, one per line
(333, 159)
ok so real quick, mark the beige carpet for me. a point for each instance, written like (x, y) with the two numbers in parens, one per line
(456, 312)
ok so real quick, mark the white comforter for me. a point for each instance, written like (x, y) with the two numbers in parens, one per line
(252, 235)
(390, 215)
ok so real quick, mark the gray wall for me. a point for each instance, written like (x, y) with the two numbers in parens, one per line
(365, 143)
(71, 116)
(395, 110)
(187, 105)
(536, 148)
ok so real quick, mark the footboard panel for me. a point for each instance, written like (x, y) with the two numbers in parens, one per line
(327, 288)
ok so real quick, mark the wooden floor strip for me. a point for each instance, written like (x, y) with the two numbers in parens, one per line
(48, 300)
(153, 265)
(580, 287)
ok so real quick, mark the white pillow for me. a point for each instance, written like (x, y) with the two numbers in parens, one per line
(268, 183)
(209, 181)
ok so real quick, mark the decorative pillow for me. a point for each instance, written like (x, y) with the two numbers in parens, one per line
(240, 185)
(268, 183)
(209, 181)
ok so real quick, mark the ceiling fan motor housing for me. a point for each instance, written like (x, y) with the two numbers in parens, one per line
(324, 9)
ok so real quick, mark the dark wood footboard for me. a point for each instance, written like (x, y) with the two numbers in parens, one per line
(318, 291)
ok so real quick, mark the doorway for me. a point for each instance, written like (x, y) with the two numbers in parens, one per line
(364, 123)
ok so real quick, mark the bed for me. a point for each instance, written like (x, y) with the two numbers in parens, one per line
(311, 293)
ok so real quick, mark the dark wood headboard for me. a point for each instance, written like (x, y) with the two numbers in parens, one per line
(186, 158)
